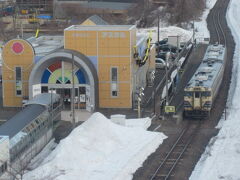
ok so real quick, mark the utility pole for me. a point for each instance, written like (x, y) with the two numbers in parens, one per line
(73, 94)
(194, 32)
(51, 107)
(166, 72)
(139, 98)
(154, 103)
(158, 29)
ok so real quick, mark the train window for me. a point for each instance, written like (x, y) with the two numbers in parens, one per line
(37, 121)
(206, 93)
(188, 93)
(197, 94)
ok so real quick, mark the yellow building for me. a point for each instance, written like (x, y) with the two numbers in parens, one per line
(107, 64)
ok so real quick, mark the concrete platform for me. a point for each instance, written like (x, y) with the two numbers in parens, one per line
(80, 115)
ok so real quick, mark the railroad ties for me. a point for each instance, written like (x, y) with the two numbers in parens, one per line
(175, 156)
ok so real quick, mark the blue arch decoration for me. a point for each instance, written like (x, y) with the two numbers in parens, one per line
(79, 74)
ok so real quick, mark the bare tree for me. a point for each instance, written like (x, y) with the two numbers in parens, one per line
(185, 10)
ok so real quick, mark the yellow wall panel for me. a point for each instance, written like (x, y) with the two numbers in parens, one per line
(124, 51)
(91, 51)
(122, 101)
(23, 59)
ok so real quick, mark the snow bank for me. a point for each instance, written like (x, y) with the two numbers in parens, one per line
(167, 31)
(121, 120)
(98, 150)
(201, 26)
(221, 159)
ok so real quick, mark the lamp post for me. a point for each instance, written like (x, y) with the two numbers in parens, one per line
(139, 98)
(154, 103)
(73, 93)
(51, 89)
(166, 72)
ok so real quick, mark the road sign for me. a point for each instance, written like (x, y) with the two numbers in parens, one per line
(170, 109)
(181, 70)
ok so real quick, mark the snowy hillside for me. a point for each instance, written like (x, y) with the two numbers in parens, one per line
(98, 150)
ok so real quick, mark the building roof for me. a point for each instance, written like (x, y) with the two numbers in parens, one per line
(101, 27)
(44, 45)
(44, 99)
(112, 6)
(97, 20)
(208, 71)
(20, 120)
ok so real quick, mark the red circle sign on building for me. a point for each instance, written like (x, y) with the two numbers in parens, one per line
(17, 47)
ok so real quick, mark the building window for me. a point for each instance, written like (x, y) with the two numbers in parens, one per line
(18, 72)
(114, 81)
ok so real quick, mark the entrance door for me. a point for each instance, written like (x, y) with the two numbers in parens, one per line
(66, 94)
(79, 100)
(197, 100)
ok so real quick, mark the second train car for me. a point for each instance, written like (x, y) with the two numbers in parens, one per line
(202, 89)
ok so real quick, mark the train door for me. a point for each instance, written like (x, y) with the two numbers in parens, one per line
(197, 100)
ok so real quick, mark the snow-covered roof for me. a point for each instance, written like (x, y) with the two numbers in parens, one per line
(44, 99)
(101, 27)
(97, 20)
(44, 45)
(14, 125)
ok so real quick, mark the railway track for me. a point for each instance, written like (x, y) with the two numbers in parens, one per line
(218, 16)
(174, 157)
(181, 167)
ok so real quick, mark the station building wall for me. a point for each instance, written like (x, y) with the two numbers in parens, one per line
(110, 48)
(17, 53)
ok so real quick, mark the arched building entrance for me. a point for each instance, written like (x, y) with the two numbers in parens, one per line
(54, 72)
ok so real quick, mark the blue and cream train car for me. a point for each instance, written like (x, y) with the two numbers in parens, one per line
(26, 133)
(202, 89)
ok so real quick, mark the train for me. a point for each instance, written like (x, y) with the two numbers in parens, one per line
(202, 89)
(25, 134)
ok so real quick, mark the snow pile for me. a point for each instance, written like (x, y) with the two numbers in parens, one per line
(201, 26)
(98, 150)
(221, 160)
(121, 120)
(165, 32)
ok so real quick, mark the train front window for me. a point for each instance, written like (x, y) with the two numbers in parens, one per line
(197, 94)
(206, 93)
(188, 93)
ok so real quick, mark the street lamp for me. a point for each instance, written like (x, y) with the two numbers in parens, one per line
(51, 90)
(73, 94)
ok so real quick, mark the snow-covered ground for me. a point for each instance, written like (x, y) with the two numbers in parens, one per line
(201, 25)
(98, 150)
(184, 35)
(221, 159)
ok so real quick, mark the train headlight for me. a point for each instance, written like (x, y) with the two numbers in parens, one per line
(207, 104)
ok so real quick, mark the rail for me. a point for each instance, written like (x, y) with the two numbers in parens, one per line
(217, 16)
(165, 169)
